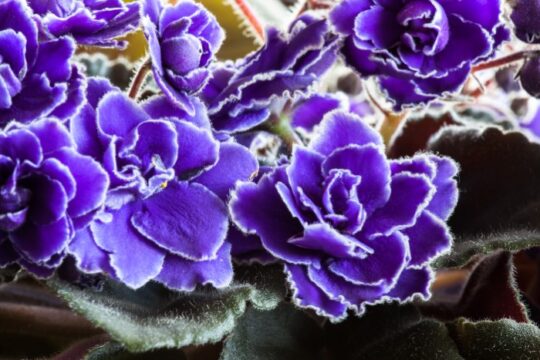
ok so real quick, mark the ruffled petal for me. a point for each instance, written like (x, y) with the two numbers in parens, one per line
(410, 194)
(235, 163)
(185, 219)
(135, 259)
(389, 257)
(340, 129)
(369, 162)
(185, 275)
(428, 238)
(309, 295)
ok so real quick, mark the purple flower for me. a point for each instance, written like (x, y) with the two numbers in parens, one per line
(352, 227)
(183, 40)
(90, 22)
(310, 112)
(165, 217)
(47, 191)
(418, 49)
(36, 77)
(525, 18)
(239, 96)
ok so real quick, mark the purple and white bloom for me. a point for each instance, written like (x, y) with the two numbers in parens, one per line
(47, 191)
(352, 227)
(525, 18)
(183, 40)
(36, 77)
(89, 22)
(240, 95)
(310, 112)
(165, 216)
(420, 49)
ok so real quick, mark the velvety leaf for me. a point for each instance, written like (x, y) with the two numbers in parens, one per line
(498, 181)
(115, 351)
(503, 339)
(379, 323)
(484, 244)
(415, 132)
(427, 340)
(155, 317)
(285, 333)
(489, 293)
(392, 332)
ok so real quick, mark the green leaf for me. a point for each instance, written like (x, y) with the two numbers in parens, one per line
(502, 340)
(155, 317)
(284, 333)
(465, 249)
(115, 351)
(427, 340)
(350, 337)
(389, 332)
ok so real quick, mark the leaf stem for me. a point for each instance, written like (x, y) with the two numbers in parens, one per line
(506, 60)
(139, 78)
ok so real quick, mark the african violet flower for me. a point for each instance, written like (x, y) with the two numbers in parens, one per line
(239, 96)
(525, 18)
(47, 191)
(90, 22)
(309, 112)
(182, 40)
(418, 49)
(352, 227)
(36, 77)
(165, 216)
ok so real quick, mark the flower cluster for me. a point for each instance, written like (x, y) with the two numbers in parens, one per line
(47, 192)
(89, 22)
(163, 188)
(351, 226)
(36, 76)
(183, 40)
(239, 95)
(421, 49)
(165, 217)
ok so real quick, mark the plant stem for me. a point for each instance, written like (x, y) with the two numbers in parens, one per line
(506, 60)
(139, 78)
(243, 9)
(282, 128)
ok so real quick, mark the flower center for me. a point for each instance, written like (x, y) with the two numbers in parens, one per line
(426, 26)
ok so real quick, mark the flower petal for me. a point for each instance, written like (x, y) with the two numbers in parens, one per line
(185, 219)
(428, 238)
(40, 242)
(389, 258)
(410, 195)
(182, 274)
(258, 208)
(135, 259)
(307, 294)
(369, 162)
(235, 163)
(339, 129)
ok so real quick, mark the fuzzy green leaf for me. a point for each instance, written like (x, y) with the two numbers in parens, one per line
(502, 340)
(115, 351)
(388, 332)
(154, 317)
(512, 241)
(284, 333)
